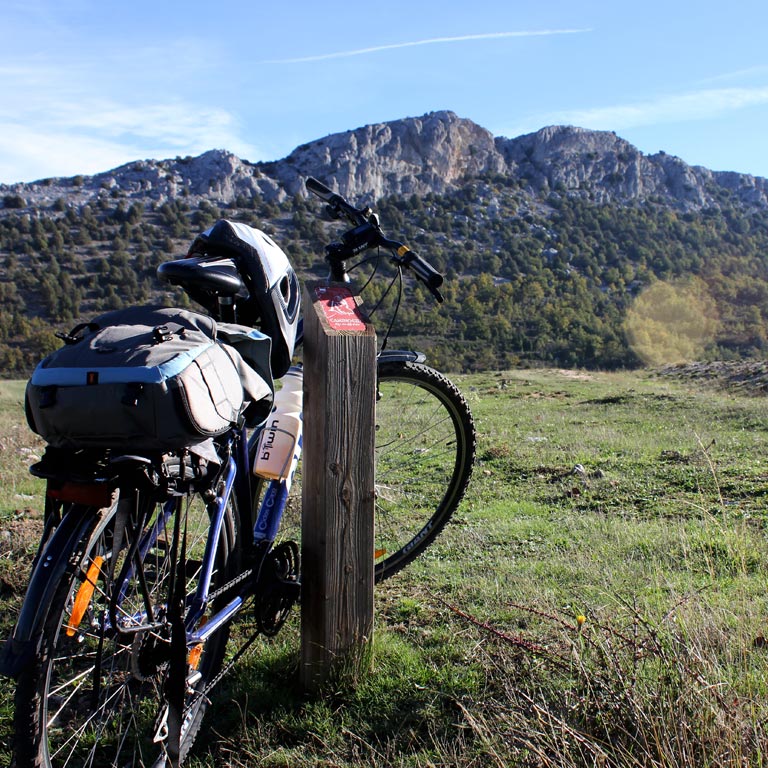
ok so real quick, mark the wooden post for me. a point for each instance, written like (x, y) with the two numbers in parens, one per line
(337, 484)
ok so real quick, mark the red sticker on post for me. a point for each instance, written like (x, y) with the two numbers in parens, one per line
(340, 308)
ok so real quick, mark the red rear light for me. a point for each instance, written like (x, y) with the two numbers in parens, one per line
(93, 495)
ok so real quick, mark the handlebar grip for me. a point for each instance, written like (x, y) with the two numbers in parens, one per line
(337, 205)
(423, 270)
(319, 189)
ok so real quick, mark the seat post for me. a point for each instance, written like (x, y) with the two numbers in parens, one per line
(227, 308)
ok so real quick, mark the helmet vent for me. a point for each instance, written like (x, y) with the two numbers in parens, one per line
(285, 288)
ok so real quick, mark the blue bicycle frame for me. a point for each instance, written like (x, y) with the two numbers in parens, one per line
(265, 530)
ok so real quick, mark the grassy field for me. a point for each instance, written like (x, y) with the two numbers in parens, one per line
(598, 600)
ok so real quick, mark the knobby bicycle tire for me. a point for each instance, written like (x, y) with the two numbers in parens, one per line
(425, 452)
(93, 696)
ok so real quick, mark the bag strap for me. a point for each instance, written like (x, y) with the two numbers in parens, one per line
(77, 333)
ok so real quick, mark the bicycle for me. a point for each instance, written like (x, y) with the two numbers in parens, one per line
(145, 561)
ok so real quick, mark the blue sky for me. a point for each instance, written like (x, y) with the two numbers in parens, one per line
(88, 85)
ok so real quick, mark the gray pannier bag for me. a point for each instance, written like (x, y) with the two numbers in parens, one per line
(148, 379)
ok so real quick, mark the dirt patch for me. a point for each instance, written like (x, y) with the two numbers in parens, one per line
(575, 375)
(18, 544)
(19, 537)
(628, 397)
(749, 376)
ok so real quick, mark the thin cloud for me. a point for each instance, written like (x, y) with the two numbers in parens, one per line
(93, 136)
(685, 107)
(675, 108)
(173, 122)
(56, 121)
(430, 41)
(739, 74)
(33, 154)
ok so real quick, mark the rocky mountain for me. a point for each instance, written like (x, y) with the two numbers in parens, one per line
(549, 242)
(435, 153)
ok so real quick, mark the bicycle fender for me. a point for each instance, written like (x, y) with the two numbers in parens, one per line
(46, 576)
(401, 356)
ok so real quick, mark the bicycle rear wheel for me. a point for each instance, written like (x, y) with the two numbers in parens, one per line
(425, 451)
(95, 693)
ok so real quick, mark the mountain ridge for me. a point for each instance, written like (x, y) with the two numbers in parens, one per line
(547, 242)
(434, 153)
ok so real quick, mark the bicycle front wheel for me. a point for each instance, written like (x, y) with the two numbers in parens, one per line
(425, 451)
(96, 693)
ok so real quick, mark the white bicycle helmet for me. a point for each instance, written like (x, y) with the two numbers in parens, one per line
(274, 296)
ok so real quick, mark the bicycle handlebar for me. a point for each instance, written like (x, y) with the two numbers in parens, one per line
(319, 189)
(366, 233)
(337, 205)
(421, 268)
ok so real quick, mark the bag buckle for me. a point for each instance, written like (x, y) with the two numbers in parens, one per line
(161, 333)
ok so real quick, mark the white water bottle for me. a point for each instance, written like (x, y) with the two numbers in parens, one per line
(277, 455)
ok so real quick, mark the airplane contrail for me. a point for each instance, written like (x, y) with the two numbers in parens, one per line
(430, 41)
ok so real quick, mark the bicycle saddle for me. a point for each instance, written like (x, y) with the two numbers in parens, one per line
(219, 277)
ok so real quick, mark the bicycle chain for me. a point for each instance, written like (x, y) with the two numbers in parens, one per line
(245, 575)
(227, 668)
(244, 648)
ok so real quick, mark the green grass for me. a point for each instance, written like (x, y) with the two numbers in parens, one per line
(635, 502)
(18, 448)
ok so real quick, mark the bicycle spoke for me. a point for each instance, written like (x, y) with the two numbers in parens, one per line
(424, 452)
(101, 688)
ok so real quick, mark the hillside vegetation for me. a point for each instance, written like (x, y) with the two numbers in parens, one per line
(556, 279)
(565, 246)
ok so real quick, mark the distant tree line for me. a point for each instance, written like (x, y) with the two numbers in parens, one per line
(548, 280)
